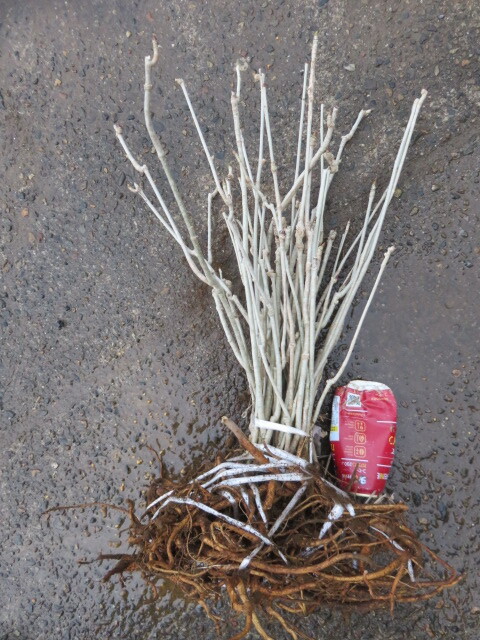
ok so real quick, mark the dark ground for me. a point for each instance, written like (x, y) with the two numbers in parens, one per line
(108, 341)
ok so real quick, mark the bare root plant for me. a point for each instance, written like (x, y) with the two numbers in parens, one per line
(264, 523)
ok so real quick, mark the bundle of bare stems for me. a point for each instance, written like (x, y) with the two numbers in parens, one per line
(264, 524)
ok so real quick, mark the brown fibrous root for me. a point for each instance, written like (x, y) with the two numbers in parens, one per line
(366, 560)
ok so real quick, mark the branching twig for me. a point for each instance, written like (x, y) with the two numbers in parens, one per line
(298, 280)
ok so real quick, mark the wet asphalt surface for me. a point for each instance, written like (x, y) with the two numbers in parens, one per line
(108, 343)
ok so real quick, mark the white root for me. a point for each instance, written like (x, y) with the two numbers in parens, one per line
(216, 514)
(237, 473)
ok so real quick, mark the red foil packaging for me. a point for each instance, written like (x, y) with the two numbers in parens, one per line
(362, 436)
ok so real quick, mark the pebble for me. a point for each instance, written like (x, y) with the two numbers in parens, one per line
(115, 544)
(443, 511)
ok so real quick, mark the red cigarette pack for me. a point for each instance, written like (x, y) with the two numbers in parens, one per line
(362, 436)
